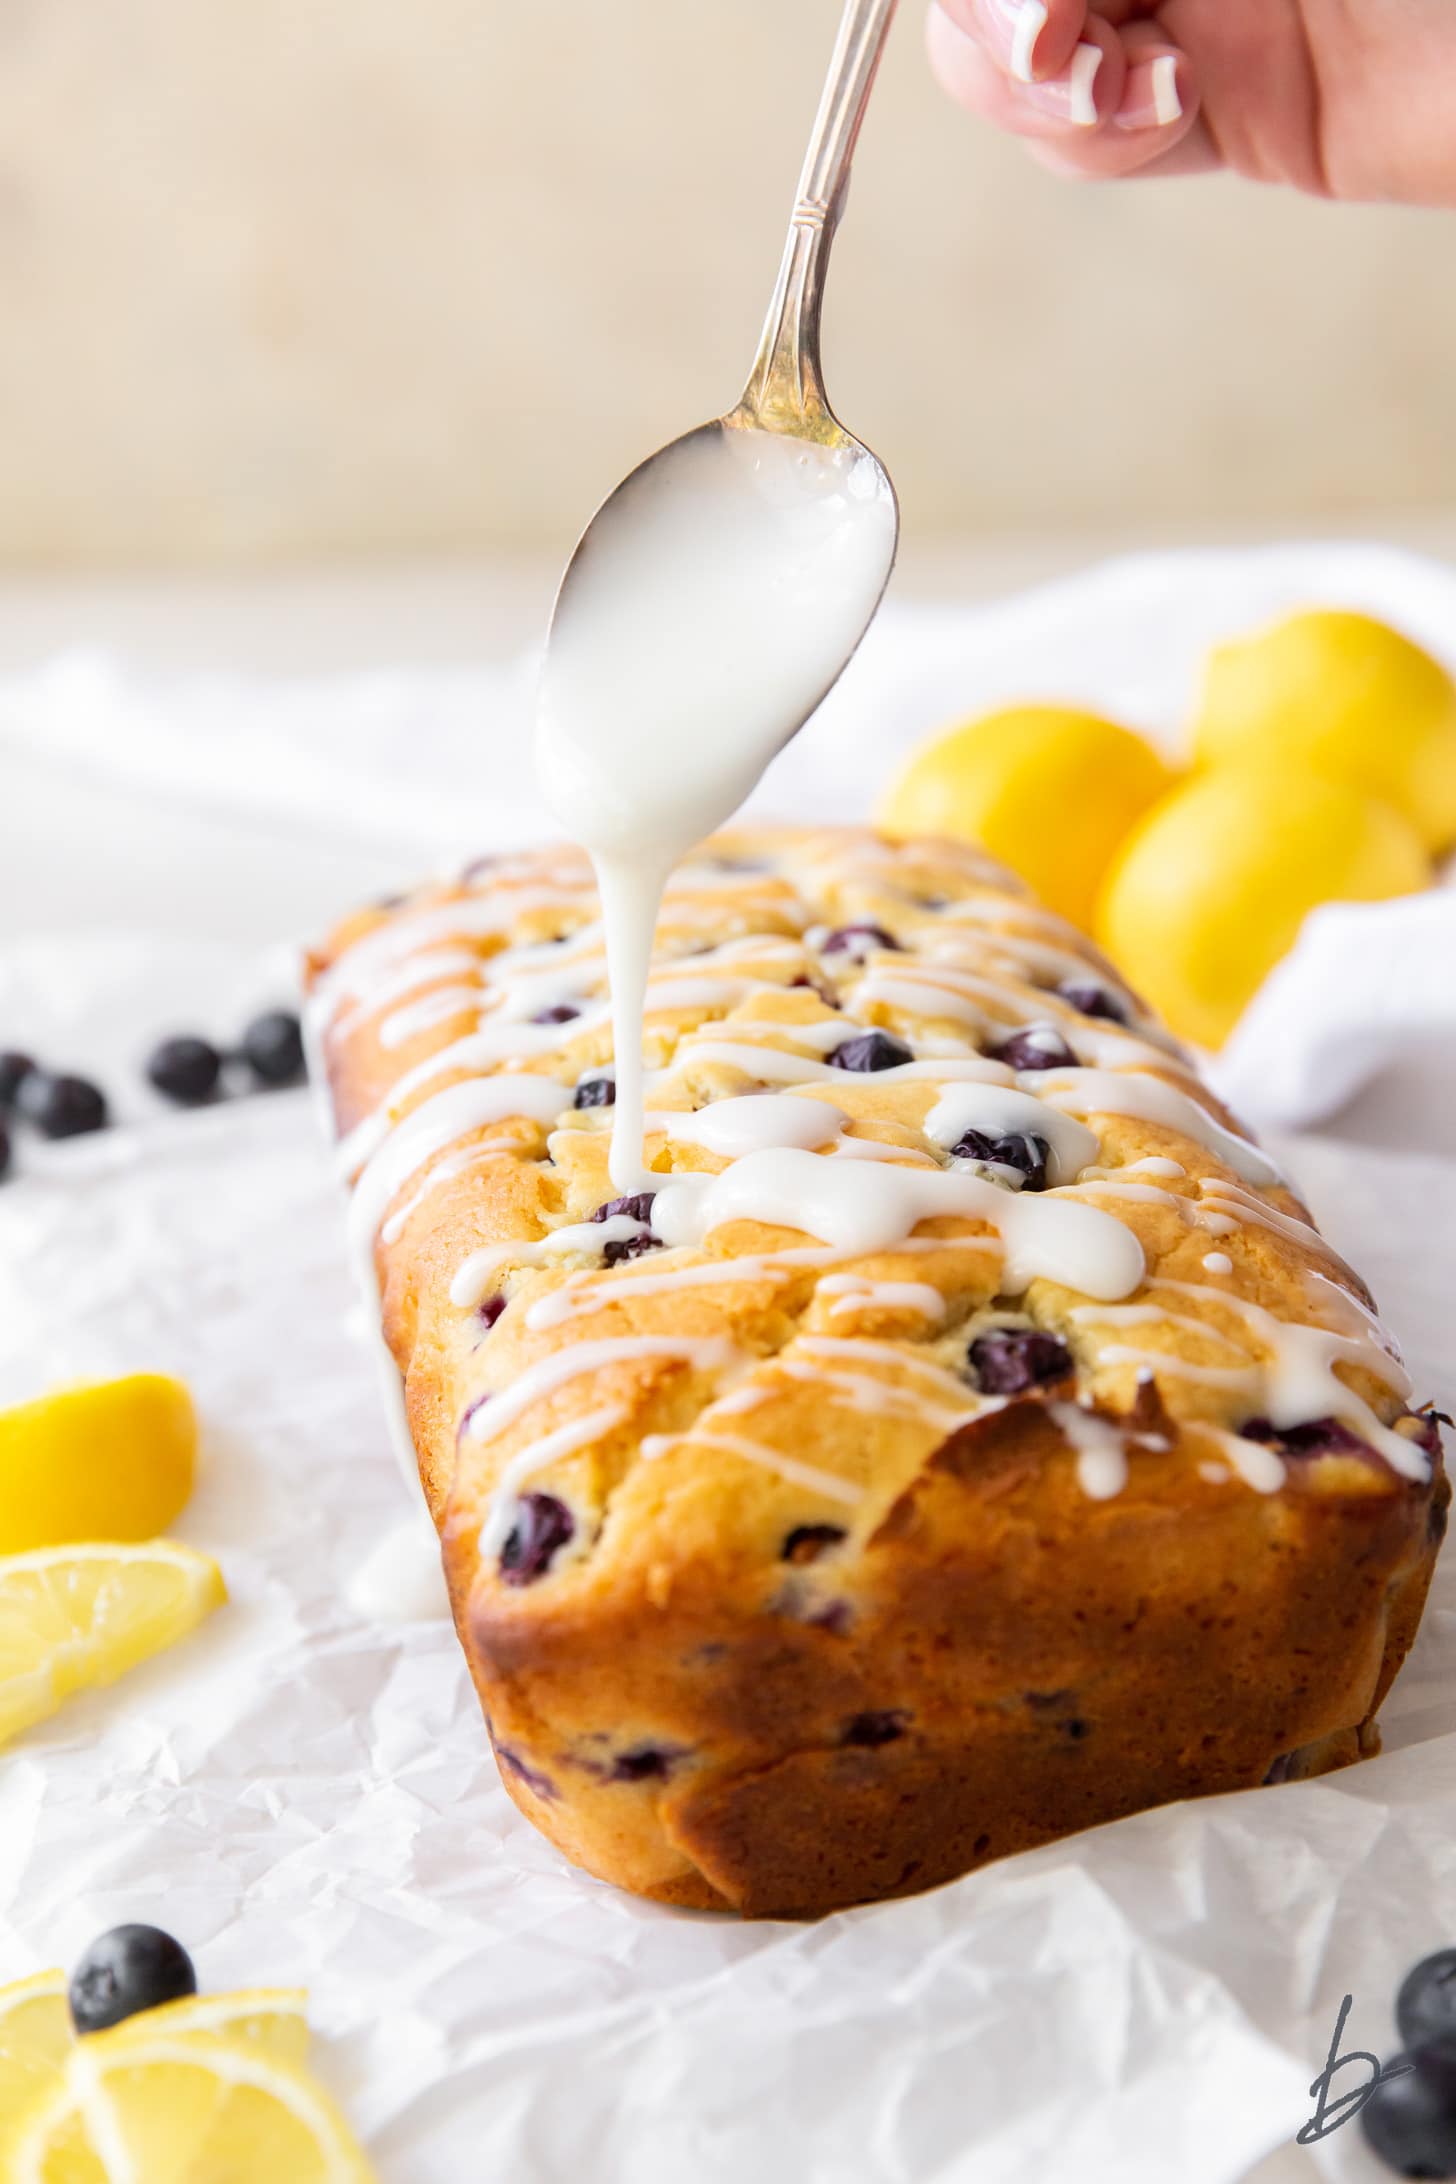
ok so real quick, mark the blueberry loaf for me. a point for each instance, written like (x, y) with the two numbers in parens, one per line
(965, 1438)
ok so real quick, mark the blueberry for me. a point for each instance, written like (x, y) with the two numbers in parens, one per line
(1092, 1000)
(186, 1070)
(874, 1729)
(540, 1785)
(1009, 1360)
(1317, 1437)
(14, 1066)
(807, 1542)
(636, 1208)
(564, 1012)
(542, 1528)
(648, 1763)
(1037, 1048)
(5, 1153)
(131, 1968)
(596, 1092)
(489, 1312)
(1409, 2119)
(871, 1050)
(61, 1107)
(272, 1047)
(1425, 2008)
(1022, 1150)
(858, 940)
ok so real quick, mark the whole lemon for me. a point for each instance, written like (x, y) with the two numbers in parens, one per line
(1049, 790)
(1212, 886)
(1347, 696)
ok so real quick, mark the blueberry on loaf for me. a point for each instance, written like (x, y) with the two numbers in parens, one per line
(963, 1436)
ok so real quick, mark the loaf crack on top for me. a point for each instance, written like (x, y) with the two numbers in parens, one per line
(962, 1436)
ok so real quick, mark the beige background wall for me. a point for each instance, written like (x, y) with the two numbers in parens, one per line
(291, 277)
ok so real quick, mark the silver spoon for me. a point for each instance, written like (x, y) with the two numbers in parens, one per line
(785, 391)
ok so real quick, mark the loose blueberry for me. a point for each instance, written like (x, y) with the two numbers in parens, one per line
(874, 1729)
(1038, 1048)
(185, 1070)
(542, 1528)
(858, 940)
(272, 1047)
(489, 1312)
(1409, 2119)
(596, 1092)
(131, 1968)
(871, 1050)
(61, 1107)
(1009, 1360)
(563, 1013)
(807, 1542)
(1092, 1000)
(14, 1067)
(1022, 1150)
(1425, 2008)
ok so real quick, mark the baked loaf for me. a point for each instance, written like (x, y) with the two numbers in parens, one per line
(1046, 1465)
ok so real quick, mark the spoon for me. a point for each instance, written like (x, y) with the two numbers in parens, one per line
(717, 596)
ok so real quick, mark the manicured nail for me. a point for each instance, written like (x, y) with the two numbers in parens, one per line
(1081, 76)
(1151, 98)
(1028, 23)
(1069, 97)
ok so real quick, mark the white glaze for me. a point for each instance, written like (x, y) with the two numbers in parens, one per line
(1149, 1099)
(430, 1129)
(705, 1354)
(760, 554)
(854, 1293)
(753, 1123)
(863, 1208)
(1101, 1451)
(400, 1580)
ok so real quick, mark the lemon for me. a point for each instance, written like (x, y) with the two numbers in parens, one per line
(1212, 886)
(72, 1618)
(180, 2109)
(113, 1460)
(1348, 697)
(35, 2037)
(1049, 790)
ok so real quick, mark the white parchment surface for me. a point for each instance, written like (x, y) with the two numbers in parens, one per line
(302, 1796)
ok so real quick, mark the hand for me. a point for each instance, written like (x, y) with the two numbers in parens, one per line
(1343, 98)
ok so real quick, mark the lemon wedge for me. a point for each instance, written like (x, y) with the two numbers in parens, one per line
(74, 1618)
(137, 2104)
(113, 1460)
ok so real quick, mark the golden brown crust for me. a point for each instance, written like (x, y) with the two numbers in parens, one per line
(831, 1623)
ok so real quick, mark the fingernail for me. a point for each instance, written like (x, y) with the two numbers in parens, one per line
(1151, 98)
(1069, 97)
(1028, 23)
(1081, 76)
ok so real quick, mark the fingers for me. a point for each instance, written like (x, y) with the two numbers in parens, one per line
(1027, 38)
(1078, 99)
(1124, 100)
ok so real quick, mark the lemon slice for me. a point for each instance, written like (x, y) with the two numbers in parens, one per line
(271, 2019)
(73, 1618)
(35, 2036)
(113, 1460)
(139, 2107)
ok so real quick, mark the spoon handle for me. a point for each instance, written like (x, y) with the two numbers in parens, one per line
(786, 384)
